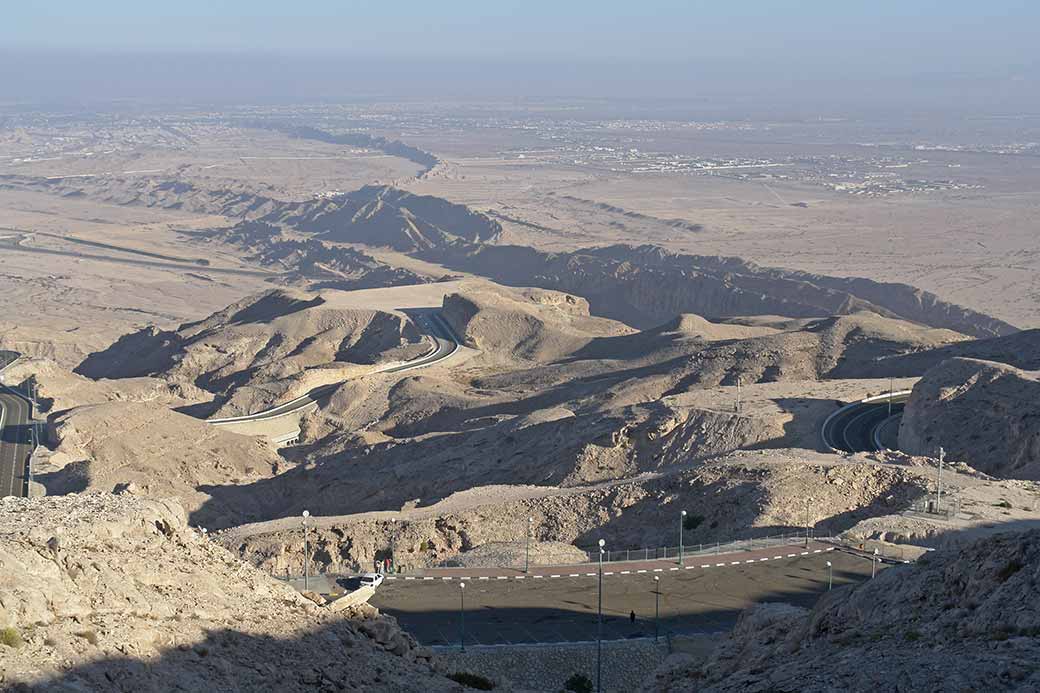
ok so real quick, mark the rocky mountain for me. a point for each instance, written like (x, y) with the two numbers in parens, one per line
(386, 216)
(962, 620)
(116, 593)
(262, 349)
(645, 286)
(319, 263)
(984, 413)
(528, 324)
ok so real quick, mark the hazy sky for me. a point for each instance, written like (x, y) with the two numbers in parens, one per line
(754, 43)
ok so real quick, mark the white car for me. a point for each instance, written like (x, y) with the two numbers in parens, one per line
(371, 580)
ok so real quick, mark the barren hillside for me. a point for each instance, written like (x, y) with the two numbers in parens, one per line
(745, 494)
(527, 324)
(984, 413)
(159, 453)
(104, 592)
(262, 349)
(958, 620)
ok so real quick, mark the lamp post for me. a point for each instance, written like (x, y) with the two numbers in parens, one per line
(682, 521)
(657, 606)
(599, 623)
(462, 616)
(807, 501)
(527, 556)
(830, 575)
(306, 553)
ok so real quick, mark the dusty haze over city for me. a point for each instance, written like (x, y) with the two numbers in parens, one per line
(519, 346)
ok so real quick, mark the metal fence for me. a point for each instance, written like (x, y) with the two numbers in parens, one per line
(697, 549)
(945, 508)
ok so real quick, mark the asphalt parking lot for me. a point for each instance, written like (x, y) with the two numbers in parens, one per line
(564, 609)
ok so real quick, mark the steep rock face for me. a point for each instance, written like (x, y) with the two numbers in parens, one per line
(104, 592)
(984, 413)
(309, 259)
(956, 621)
(647, 285)
(527, 324)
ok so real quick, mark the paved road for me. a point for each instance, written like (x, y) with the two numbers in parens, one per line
(17, 245)
(564, 610)
(14, 443)
(853, 427)
(445, 344)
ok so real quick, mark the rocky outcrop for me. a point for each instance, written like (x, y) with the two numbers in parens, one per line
(983, 413)
(389, 217)
(262, 349)
(645, 286)
(956, 621)
(101, 592)
(744, 494)
(524, 324)
(323, 264)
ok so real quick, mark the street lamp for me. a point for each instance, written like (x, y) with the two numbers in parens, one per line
(830, 575)
(599, 624)
(462, 615)
(306, 553)
(527, 557)
(807, 501)
(682, 521)
(657, 606)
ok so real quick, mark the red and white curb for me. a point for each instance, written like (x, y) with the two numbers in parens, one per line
(704, 566)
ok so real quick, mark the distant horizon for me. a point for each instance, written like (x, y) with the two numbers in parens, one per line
(39, 75)
(811, 55)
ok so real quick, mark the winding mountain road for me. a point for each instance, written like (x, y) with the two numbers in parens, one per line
(445, 344)
(860, 426)
(15, 442)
